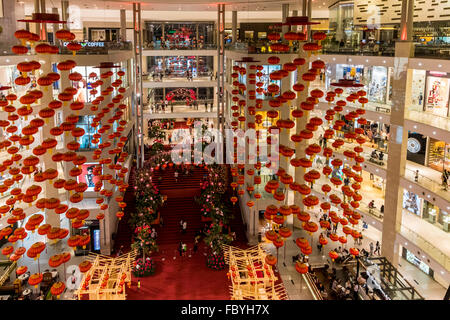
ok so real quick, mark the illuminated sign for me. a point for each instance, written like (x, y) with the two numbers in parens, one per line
(91, 44)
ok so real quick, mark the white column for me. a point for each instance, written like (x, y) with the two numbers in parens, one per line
(47, 163)
(65, 13)
(401, 92)
(284, 15)
(123, 25)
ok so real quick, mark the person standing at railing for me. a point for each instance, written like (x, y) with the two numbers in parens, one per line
(445, 176)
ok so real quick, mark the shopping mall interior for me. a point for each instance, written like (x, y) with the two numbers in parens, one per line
(237, 150)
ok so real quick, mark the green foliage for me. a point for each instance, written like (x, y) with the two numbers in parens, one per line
(212, 204)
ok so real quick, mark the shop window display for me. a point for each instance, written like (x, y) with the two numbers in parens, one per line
(438, 155)
(412, 202)
(418, 94)
(267, 70)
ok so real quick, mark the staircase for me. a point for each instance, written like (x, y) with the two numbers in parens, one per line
(180, 204)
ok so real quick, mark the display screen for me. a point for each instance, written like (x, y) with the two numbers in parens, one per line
(96, 236)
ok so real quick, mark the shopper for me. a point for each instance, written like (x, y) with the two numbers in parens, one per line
(195, 244)
(176, 176)
(416, 177)
(377, 248)
(445, 176)
(371, 248)
(181, 225)
(382, 208)
(180, 248)
(184, 227)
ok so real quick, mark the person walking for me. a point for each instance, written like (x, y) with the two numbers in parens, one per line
(180, 248)
(184, 227)
(184, 248)
(371, 248)
(181, 225)
(377, 248)
(195, 244)
(176, 176)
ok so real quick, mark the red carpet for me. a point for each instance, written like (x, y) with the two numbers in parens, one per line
(181, 279)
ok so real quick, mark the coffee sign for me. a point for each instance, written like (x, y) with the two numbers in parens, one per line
(91, 44)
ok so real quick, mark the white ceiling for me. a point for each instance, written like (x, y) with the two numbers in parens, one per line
(186, 5)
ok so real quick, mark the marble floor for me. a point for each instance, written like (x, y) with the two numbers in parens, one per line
(425, 285)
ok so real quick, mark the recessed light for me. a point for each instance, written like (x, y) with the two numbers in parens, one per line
(440, 66)
(420, 64)
(384, 61)
(415, 127)
(434, 132)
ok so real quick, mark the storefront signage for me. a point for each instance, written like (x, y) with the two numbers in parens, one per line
(91, 44)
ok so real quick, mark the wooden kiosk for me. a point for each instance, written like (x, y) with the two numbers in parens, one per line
(251, 277)
(107, 277)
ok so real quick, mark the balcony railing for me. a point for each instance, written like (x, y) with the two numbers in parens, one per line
(174, 46)
(365, 50)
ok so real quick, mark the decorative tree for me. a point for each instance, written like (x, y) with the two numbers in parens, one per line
(213, 205)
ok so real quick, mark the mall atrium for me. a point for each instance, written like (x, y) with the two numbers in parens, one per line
(237, 150)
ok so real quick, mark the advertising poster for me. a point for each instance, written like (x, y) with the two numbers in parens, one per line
(87, 176)
(411, 202)
(436, 101)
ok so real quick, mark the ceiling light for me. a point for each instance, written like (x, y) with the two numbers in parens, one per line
(420, 64)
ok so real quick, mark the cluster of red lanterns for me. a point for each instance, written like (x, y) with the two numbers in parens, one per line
(345, 208)
(106, 117)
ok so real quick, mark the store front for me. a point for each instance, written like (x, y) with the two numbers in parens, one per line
(91, 228)
(426, 210)
(417, 148)
(376, 80)
(438, 155)
(413, 259)
(181, 96)
(177, 66)
(178, 35)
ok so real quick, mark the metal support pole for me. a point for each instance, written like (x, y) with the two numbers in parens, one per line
(141, 89)
(134, 94)
(220, 74)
